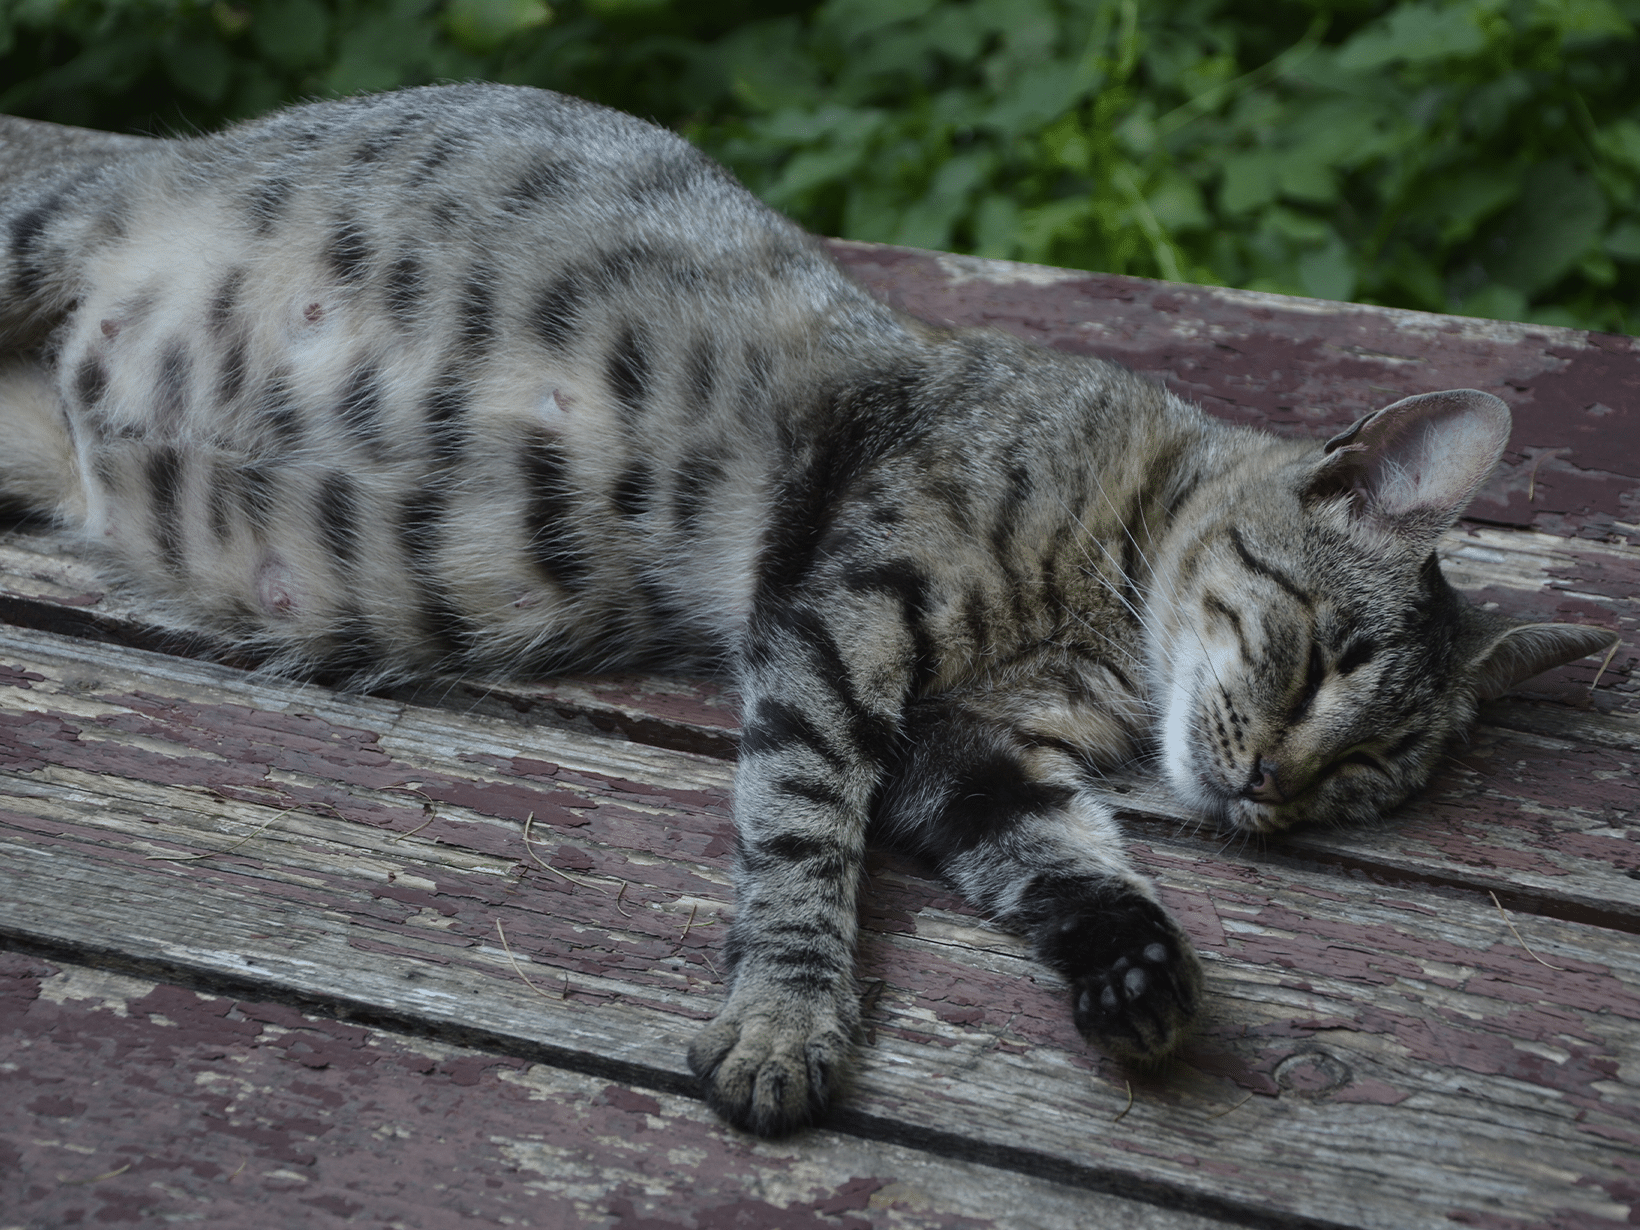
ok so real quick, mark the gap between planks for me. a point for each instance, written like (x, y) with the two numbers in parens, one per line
(923, 1070)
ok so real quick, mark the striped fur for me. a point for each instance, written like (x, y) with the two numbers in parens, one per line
(489, 380)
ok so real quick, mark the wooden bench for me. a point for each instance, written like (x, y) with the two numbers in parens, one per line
(276, 955)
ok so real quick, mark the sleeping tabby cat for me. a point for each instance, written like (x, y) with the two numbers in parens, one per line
(483, 379)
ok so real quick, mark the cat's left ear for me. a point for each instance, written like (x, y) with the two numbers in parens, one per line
(1525, 650)
(1412, 467)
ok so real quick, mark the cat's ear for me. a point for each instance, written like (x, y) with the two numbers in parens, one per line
(1409, 469)
(1524, 650)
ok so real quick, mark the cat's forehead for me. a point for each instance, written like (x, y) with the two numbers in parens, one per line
(1342, 582)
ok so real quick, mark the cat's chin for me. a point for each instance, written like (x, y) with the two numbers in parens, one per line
(1246, 816)
(1232, 814)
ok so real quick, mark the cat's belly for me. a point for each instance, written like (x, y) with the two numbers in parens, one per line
(259, 442)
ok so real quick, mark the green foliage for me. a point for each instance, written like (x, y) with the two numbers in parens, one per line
(1478, 156)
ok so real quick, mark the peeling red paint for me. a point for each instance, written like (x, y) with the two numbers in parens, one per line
(238, 1113)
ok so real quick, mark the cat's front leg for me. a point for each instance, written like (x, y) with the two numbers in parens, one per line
(818, 723)
(1009, 820)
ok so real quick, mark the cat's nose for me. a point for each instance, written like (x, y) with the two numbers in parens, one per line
(1264, 785)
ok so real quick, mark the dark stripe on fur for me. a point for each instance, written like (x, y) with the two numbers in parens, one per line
(1228, 613)
(339, 516)
(1269, 571)
(774, 726)
(421, 520)
(700, 471)
(90, 381)
(406, 287)
(348, 252)
(164, 474)
(221, 311)
(231, 377)
(627, 370)
(355, 649)
(445, 412)
(172, 391)
(548, 528)
(478, 325)
(360, 405)
(24, 234)
(277, 406)
(266, 201)
(864, 423)
(630, 494)
(558, 310)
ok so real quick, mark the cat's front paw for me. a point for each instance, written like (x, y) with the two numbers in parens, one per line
(769, 1064)
(1135, 980)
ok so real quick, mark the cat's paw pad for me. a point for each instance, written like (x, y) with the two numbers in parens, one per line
(1135, 980)
(770, 1068)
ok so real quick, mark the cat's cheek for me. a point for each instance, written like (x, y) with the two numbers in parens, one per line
(1176, 735)
(1179, 759)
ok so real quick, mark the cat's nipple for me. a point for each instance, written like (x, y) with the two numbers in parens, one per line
(1264, 785)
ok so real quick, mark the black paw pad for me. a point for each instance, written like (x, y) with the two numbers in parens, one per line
(1135, 981)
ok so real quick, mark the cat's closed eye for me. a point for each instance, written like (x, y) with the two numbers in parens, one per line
(1358, 758)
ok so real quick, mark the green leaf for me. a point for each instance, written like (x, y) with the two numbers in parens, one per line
(1624, 242)
(1460, 201)
(767, 68)
(381, 52)
(1045, 225)
(1328, 273)
(1621, 141)
(996, 226)
(480, 26)
(1305, 179)
(625, 9)
(1559, 217)
(1249, 181)
(198, 64)
(1494, 302)
(853, 19)
(810, 168)
(1414, 33)
(1573, 18)
(291, 33)
(1177, 203)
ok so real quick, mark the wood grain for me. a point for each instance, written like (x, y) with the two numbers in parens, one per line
(1538, 806)
(1371, 1058)
(243, 1112)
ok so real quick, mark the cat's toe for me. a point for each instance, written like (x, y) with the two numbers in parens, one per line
(1135, 980)
(770, 1072)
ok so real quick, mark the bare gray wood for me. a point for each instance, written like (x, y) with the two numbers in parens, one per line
(1371, 1057)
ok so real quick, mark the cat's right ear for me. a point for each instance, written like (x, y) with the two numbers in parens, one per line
(1409, 469)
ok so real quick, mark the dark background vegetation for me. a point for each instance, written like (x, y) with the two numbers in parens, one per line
(1473, 156)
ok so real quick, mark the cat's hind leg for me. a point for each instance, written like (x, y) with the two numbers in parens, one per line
(39, 471)
(1008, 820)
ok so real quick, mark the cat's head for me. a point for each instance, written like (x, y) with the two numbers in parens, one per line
(1310, 660)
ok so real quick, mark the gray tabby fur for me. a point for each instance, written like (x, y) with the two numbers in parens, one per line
(490, 380)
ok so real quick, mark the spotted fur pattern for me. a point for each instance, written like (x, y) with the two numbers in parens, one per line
(476, 379)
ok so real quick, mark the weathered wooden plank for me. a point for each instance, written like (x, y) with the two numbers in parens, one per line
(234, 1112)
(1404, 1062)
(1313, 367)
(1538, 807)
